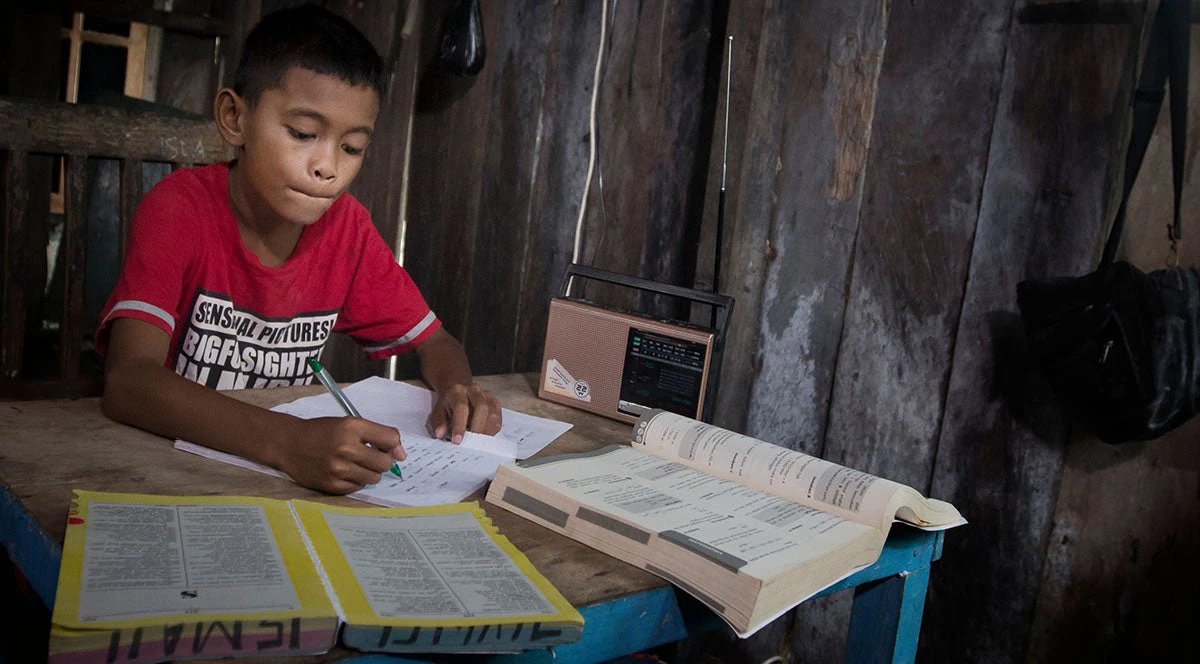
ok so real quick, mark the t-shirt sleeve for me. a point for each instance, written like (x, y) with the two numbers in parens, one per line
(384, 311)
(156, 255)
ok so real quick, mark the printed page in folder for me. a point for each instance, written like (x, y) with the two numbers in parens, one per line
(433, 579)
(436, 472)
(151, 578)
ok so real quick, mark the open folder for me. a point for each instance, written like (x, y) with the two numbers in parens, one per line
(151, 578)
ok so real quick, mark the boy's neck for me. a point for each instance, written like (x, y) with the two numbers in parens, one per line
(269, 237)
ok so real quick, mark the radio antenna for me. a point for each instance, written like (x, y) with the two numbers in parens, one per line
(716, 282)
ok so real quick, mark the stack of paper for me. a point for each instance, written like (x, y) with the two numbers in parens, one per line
(436, 472)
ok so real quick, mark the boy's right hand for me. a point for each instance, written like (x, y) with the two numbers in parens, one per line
(331, 454)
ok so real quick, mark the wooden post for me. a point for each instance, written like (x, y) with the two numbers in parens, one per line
(135, 60)
(74, 56)
(129, 195)
(12, 329)
(74, 244)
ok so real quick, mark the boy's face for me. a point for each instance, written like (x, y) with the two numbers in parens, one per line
(303, 144)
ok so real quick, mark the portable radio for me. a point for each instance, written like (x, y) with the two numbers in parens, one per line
(620, 364)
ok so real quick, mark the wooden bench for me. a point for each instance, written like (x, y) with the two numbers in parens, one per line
(29, 131)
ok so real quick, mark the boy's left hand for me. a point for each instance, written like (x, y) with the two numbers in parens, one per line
(462, 407)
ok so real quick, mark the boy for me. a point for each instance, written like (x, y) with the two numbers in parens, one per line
(236, 273)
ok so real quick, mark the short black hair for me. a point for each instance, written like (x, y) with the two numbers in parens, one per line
(309, 37)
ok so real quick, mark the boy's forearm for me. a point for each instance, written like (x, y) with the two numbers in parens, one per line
(443, 362)
(146, 395)
(460, 404)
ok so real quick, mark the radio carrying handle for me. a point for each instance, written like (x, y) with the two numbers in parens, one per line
(722, 308)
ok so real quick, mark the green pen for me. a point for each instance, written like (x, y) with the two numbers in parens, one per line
(328, 382)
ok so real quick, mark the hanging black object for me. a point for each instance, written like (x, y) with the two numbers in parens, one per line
(462, 49)
(1122, 347)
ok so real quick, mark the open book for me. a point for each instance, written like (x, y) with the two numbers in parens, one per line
(151, 578)
(749, 528)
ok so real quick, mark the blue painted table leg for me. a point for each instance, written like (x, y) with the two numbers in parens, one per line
(31, 550)
(886, 619)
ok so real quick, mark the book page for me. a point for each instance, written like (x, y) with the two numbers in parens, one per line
(437, 566)
(138, 557)
(747, 530)
(147, 560)
(799, 477)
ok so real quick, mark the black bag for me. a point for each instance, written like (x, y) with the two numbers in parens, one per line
(462, 49)
(1121, 347)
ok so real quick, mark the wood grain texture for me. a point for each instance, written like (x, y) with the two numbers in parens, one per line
(561, 158)
(748, 212)
(920, 204)
(99, 131)
(825, 130)
(1150, 203)
(34, 74)
(378, 183)
(1119, 580)
(654, 124)
(49, 346)
(128, 197)
(515, 110)
(863, 122)
(28, 269)
(744, 22)
(188, 16)
(1001, 444)
(499, 162)
(450, 129)
(73, 254)
(16, 204)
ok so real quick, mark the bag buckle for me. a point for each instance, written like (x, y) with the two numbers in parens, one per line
(1173, 252)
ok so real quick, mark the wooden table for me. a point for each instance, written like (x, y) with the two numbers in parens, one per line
(48, 448)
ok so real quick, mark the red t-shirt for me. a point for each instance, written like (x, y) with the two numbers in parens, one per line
(235, 323)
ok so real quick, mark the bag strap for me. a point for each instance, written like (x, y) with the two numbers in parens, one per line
(1166, 57)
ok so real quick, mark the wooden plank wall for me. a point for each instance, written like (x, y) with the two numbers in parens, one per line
(499, 163)
(446, 181)
(657, 103)
(1002, 440)
(886, 192)
(798, 191)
